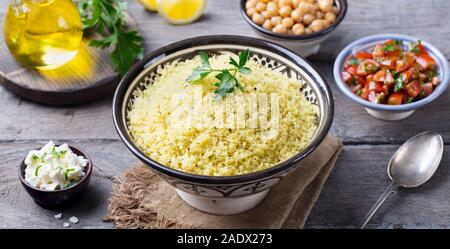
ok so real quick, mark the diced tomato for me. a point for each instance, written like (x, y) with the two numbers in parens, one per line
(373, 97)
(388, 62)
(425, 61)
(365, 92)
(367, 66)
(351, 69)
(386, 90)
(405, 62)
(378, 51)
(361, 69)
(371, 66)
(427, 89)
(346, 76)
(420, 48)
(406, 75)
(389, 78)
(395, 98)
(384, 76)
(413, 89)
(360, 80)
(380, 76)
(375, 86)
(361, 55)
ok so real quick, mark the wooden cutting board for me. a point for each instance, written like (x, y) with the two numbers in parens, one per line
(88, 76)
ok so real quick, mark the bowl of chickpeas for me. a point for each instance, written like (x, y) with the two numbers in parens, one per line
(301, 25)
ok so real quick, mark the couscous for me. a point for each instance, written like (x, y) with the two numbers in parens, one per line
(216, 142)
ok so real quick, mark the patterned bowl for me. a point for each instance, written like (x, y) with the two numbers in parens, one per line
(224, 194)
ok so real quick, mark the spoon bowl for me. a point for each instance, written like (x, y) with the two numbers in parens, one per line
(415, 161)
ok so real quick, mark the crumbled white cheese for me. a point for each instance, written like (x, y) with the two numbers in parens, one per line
(58, 216)
(73, 219)
(66, 224)
(52, 167)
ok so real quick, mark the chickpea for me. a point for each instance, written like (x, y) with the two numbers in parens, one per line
(251, 12)
(260, 6)
(295, 3)
(326, 23)
(275, 20)
(335, 10)
(319, 14)
(285, 11)
(250, 4)
(308, 30)
(285, 2)
(317, 25)
(265, 1)
(325, 5)
(298, 29)
(290, 32)
(258, 18)
(287, 22)
(304, 8)
(280, 28)
(330, 17)
(267, 24)
(308, 18)
(266, 14)
(314, 8)
(272, 8)
(296, 15)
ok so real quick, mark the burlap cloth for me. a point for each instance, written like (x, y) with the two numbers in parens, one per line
(141, 199)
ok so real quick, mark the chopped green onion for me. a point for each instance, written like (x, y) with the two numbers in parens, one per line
(37, 170)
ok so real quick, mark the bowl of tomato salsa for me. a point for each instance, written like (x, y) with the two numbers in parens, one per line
(391, 75)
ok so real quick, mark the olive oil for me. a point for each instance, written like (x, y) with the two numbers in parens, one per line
(43, 34)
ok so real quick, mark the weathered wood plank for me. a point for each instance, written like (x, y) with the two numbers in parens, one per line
(360, 177)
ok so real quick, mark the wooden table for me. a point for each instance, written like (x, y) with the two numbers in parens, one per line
(357, 180)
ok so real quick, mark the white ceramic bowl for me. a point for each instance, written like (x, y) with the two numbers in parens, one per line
(304, 45)
(383, 111)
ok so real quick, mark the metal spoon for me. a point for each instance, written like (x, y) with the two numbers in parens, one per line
(412, 165)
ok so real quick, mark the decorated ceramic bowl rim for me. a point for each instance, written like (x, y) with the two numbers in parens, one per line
(444, 72)
(77, 151)
(309, 37)
(135, 71)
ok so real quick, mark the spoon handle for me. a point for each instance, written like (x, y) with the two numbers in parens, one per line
(390, 190)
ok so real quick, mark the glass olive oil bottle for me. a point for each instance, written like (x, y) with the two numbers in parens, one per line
(43, 34)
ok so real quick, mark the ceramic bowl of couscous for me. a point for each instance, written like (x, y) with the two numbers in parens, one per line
(222, 118)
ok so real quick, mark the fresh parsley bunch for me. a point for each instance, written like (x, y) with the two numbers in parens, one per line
(107, 18)
(227, 77)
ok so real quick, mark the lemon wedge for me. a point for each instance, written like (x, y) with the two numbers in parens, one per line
(149, 4)
(181, 11)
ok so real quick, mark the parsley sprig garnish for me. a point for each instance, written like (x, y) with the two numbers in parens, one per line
(228, 81)
(107, 18)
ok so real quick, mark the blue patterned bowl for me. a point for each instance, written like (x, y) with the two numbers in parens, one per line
(224, 194)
